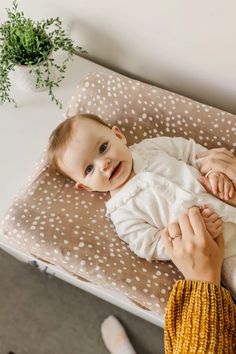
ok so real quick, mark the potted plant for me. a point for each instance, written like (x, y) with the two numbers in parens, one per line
(28, 46)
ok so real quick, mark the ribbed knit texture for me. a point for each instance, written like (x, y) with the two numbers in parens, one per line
(200, 318)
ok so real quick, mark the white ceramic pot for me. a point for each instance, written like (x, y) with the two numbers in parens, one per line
(26, 81)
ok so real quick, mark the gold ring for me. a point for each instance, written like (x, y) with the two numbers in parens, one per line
(209, 172)
(174, 236)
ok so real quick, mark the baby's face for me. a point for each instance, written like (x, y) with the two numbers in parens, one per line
(93, 153)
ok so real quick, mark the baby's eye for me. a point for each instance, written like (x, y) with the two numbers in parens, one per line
(87, 170)
(101, 150)
(105, 144)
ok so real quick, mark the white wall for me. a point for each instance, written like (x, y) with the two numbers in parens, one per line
(184, 46)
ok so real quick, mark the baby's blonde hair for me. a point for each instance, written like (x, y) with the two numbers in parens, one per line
(60, 137)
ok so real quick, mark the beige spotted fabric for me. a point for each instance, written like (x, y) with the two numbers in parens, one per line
(54, 222)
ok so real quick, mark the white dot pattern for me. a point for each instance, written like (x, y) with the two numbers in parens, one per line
(60, 225)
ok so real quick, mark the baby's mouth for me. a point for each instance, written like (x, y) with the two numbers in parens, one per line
(116, 170)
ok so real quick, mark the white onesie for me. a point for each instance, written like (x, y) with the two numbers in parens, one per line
(164, 186)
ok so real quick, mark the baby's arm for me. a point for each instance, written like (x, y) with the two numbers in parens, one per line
(143, 239)
(177, 147)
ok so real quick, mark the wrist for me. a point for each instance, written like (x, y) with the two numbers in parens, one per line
(213, 282)
(212, 279)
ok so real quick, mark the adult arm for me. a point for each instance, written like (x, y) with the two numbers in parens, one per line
(200, 315)
(200, 318)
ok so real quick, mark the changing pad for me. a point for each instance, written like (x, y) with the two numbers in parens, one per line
(60, 225)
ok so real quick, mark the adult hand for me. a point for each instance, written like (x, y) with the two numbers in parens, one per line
(220, 160)
(195, 253)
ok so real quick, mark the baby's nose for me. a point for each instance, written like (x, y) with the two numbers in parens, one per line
(105, 164)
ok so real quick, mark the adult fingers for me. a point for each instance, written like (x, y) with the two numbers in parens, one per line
(220, 242)
(224, 162)
(174, 229)
(175, 232)
(197, 223)
(228, 168)
(213, 164)
(185, 226)
(167, 242)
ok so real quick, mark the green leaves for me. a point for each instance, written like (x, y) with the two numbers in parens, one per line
(27, 42)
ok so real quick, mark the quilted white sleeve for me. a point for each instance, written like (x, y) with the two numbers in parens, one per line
(180, 148)
(143, 239)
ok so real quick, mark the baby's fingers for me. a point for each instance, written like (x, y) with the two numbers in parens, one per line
(206, 212)
(231, 190)
(221, 186)
(219, 231)
(227, 185)
(205, 183)
(213, 180)
(218, 223)
(213, 217)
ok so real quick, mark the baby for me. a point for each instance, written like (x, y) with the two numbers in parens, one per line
(151, 184)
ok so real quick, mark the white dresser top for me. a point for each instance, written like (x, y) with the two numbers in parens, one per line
(24, 131)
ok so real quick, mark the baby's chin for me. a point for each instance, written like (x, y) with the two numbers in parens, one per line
(117, 188)
(118, 181)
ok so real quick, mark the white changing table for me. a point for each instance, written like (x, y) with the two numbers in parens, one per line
(24, 132)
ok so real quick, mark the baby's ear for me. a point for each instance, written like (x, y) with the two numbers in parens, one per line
(118, 133)
(80, 186)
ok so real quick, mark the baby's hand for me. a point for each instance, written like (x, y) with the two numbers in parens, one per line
(221, 185)
(218, 184)
(214, 223)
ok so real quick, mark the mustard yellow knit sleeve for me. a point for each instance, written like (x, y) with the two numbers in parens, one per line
(200, 318)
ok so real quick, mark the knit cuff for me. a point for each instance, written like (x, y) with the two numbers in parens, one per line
(200, 317)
